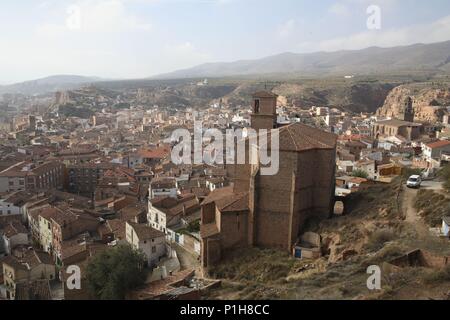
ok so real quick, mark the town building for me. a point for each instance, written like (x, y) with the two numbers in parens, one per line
(29, 267)
(163, 187)
(150, 241)
(26, 176)
(167, 212)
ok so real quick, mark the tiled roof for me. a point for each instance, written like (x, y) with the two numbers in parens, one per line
(300, 137)
(173, 207)
(159, 153)
(264, 94)
(228, 201)
(14, 228)
(438, 144)
(145, 232)
(35, 290)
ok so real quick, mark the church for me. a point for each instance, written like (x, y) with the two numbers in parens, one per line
(404, 126)
(271, 211)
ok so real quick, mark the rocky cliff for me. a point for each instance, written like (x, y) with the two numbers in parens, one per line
(429, 101)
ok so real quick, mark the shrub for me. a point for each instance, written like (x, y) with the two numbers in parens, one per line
(360, 174)
(378, 239)
(435, 276)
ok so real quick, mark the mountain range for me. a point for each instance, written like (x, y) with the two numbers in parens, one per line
(374, 60)
(430, 58)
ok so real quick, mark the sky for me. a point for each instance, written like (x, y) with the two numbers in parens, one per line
(139, 38)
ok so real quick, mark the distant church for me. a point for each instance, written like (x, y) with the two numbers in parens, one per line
(408, 111)
(271, 211)
(403, 126)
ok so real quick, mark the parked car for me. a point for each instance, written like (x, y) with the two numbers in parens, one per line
(414, 182)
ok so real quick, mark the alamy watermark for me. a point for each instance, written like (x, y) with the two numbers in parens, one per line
(235, 146)
(73, 281)
(374, 19)
(374, 280)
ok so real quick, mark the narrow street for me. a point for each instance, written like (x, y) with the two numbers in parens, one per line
(187, 259)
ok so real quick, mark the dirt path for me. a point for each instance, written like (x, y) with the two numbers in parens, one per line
(411, 215)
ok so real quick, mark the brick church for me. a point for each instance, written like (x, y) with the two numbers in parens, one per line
(271, 211)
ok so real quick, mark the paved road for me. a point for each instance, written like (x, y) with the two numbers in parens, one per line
(187, 259)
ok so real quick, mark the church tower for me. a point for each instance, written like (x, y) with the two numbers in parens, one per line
(408, 111)
(264, 114)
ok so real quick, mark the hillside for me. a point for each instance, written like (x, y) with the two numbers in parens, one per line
(357, 95)
(49, 84)
(430, 101)
(373, 232)
(374, 60)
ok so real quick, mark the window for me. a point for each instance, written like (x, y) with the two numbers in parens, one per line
(257, 106)
(154, 249)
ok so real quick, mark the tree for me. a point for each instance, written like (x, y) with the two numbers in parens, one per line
(444, 173)
(360, 174)
(114, 272)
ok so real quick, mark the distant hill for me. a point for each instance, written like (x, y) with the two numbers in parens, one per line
(49, 84)
(374, 60)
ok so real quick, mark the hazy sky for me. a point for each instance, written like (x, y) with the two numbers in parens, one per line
(140, 38)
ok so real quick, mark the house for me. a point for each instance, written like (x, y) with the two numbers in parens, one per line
(368, 166)
(434, 150)
(174, 287)
(33, 215)
(446, 226)
(14, 203)
(33, 290)
(14, 234)
(355, 148)
(148, 240)
(345, 166)
(163, 187)
(136, 213)
(28, 176)
(167, 212)
(112, 231)
(308, 246)
(24, 269)
(148, 157)
(69, 223)
(397, 127)
(45, 228)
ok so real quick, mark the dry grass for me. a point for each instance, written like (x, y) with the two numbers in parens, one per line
(432, 206)
(437, 276)
(255, 265)
(379, 238)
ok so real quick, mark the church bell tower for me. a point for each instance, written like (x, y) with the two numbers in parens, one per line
(408, 111)
(264, 114)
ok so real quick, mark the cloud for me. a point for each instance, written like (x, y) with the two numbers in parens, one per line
(101, 16)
